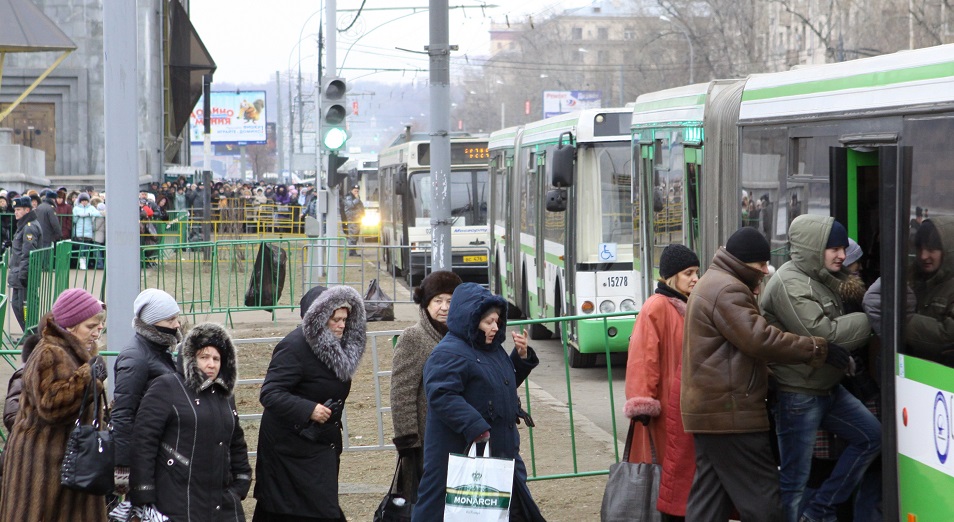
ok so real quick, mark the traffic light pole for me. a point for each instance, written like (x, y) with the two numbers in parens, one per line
(333, 228)
(439, 52)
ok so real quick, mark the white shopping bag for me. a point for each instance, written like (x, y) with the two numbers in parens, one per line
(478, 488)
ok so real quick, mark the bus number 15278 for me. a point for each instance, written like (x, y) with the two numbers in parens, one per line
(616, 281)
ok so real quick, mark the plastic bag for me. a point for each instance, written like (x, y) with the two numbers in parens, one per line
(268, 276)
(377, 304)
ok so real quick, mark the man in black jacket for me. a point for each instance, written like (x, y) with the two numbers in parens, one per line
(46, 217)
(25, 240)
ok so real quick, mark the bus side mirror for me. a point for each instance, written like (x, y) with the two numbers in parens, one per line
(560, 161)
(556, 200)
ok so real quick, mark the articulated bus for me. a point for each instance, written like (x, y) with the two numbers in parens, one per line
(405, 203)
(566, 251)
(868, 142)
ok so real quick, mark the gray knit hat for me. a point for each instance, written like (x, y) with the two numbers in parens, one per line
(153, 305)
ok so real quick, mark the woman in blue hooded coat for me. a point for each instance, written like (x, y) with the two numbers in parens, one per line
(471, 387)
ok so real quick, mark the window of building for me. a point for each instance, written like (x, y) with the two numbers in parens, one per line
(577, 33)
(603, 33)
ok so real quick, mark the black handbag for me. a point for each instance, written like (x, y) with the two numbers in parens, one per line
(394, 507)
(89, 460)
(632, 489)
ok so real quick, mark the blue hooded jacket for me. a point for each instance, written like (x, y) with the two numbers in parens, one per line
(471, 387)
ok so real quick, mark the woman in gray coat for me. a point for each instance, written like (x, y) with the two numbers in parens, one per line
(408, 402)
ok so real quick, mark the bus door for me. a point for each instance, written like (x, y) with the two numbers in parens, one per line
(693, 165)
(649, 203)
(855, 202)
(667, 186)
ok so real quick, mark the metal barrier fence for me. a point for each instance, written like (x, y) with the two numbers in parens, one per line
(66, 264)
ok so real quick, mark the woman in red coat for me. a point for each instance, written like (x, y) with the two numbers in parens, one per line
(653, 371)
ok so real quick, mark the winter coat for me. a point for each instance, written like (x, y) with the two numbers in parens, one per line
(930, 330)
(99, 229)
(353, 209)
(83, 221)
(471, 388)
(65, 213)
(408, 402)
(652, 388)
(189, 452)
(296, 471)
(146, 356)
(726, 347)
(54, 380)
(26, 239)
(803, 297)
(49, 224)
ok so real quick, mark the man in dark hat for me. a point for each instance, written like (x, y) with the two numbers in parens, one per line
(353, 213)
(26, 238)
(726, 349)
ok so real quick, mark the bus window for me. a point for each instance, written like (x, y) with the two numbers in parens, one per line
(468, 197)
(928, 329)
(616, 190)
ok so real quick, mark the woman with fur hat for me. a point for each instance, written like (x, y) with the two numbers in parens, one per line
(408, 402)
(146, 356)
(653, 372)
(189, 459)
(54, 380)
(307, 382)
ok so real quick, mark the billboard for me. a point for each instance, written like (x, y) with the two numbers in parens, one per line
(561, 102)
(238, 117)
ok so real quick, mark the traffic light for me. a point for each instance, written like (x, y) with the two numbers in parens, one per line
(334, 163)
(334, 135)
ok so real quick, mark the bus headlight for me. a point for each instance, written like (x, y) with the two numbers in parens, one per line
(628, 305)
(607, 307)
(370, 220)
(587, 307)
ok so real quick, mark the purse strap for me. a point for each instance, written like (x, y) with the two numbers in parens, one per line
(629, 442)
(90, 390)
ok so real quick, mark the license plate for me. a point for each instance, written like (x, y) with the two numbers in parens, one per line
(475, 259)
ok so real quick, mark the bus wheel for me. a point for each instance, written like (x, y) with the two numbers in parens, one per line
(581, 360)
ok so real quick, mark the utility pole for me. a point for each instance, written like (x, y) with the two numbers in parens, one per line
(278, 131)
(291, 122)
(439, 53)
(331, 69)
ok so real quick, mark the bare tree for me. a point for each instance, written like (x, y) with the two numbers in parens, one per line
(261, 158)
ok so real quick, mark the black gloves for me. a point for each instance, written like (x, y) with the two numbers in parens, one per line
(644, 419)
(838, 356)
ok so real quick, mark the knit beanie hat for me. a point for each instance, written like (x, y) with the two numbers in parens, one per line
(928, 237)
(74, 306)
(436, 283)
(749, 246)
(853, 253)
(83, 196)
(153, 305)
(838, 237)
(676, 258)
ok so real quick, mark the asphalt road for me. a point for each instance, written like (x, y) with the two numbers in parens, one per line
(589, 387)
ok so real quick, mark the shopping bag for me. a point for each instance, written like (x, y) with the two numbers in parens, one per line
(632, 488)
(478, 488)
(377, 305)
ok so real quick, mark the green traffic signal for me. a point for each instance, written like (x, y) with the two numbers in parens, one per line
(335, 138)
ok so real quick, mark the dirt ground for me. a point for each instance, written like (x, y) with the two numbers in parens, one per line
(366, 468)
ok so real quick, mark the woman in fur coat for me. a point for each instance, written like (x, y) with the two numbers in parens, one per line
(54, 379)
(653, 373)
(307, 382)
(189, 454)
(408, 402)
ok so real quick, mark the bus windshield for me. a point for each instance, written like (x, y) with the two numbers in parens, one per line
(468, 194)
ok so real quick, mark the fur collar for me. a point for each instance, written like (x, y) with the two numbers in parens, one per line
(341, 355)
(209, 334)
(59, 336)
(154, 336)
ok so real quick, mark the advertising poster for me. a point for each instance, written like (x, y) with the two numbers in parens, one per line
(562, 102)
(238, 117)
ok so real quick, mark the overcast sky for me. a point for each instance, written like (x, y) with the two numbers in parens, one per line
(252, 39)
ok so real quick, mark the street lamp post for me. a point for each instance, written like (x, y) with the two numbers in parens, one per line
(692, 57)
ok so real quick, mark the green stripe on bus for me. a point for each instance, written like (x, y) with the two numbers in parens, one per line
(873, 79)
(923, 490)
(928, 373)
(669, 103)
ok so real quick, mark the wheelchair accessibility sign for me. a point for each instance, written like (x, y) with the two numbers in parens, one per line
(607, 252)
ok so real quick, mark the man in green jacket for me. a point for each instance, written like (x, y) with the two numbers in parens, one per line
(803, 298)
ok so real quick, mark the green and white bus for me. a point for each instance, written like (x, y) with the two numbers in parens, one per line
(404, 180)
(566, 251)
(868, 142)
